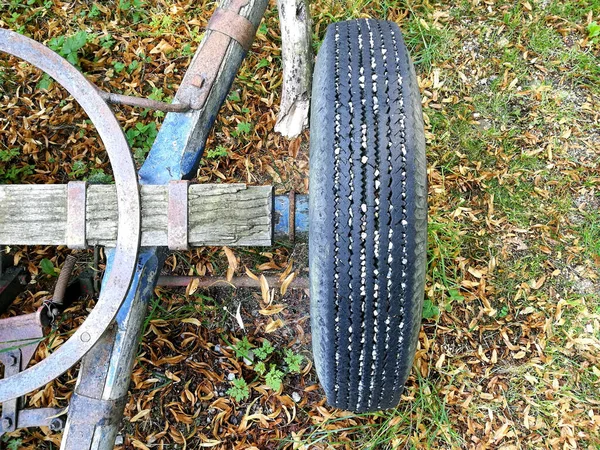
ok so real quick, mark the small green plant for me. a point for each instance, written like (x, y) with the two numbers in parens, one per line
(260, 368)
(274, 378)
(12, 443)
(293, 361)
(263, 63)
(240, 390)
(107, 41)
(98, 176)
(186, 50)
(133, 9)
(118, 66)
(503, 312)
(69, 46)
(242, 348)
(430, 311)
(593, 30)
(140, 138)
(217, 153)
(8, 154)
(78, 169)
(94, 12)
(45, 82)
(47, 267)
(132, 66)
(16, 173)
(263, 352)
(242, 128)
(234, 96)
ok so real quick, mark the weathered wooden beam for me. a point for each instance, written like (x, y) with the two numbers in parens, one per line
(218, 214)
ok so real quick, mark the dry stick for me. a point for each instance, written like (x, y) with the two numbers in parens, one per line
(297, 56)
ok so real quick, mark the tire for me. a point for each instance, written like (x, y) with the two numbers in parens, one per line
(368, 215)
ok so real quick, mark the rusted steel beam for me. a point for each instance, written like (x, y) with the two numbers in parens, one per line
(236, 282)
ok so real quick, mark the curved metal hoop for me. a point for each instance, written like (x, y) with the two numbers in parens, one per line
(128, 200)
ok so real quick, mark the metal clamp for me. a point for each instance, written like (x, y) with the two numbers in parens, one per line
(177, 222)
(76, 218)
(231, 24)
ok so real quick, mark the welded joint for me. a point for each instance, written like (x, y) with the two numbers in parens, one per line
(177, 222)
(76, 215)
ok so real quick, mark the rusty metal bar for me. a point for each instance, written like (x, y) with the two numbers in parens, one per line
(119, 99)
(236, 282)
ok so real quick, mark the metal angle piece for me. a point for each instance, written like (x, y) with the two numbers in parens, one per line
(129, 209)
(177, 224)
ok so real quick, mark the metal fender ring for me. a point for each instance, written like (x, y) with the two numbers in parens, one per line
(128, 201)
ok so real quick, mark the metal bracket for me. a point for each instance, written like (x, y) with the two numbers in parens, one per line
(76, 220)
(205, 66)
(231, 24)
(10, 408)
(177, 225)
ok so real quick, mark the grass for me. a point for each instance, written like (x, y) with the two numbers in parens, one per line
(422, 423)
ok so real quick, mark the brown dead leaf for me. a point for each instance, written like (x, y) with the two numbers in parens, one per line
(287, 282)
(274, 325)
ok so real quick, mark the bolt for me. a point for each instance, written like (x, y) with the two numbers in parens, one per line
(85, 337)
(6, 423)
(197, 81)
(56, 424)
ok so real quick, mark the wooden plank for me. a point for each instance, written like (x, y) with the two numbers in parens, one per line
(219, 214)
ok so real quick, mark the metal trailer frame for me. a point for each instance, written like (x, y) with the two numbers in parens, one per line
(97, 404)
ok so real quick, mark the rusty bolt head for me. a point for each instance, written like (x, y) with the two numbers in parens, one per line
(197, 81)
(6, 423)
(56, 424)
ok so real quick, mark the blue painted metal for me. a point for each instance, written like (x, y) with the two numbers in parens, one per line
(281, 225)
(168, 159)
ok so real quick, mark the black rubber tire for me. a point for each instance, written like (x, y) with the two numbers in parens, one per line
(368, 215)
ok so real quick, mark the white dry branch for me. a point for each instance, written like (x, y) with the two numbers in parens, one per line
(297, 56)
